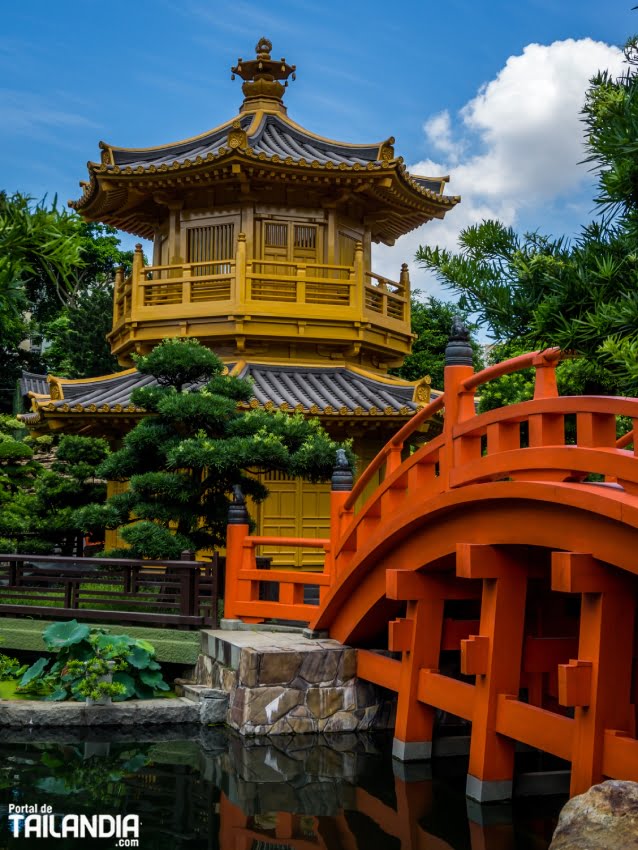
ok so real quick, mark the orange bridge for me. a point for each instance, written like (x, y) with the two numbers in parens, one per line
(492, 576)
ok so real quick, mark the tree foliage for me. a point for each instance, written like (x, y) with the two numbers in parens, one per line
(431, 323)
(68, 484)
(18, 473)
(183, 460)
(41, 487)
(56, 291)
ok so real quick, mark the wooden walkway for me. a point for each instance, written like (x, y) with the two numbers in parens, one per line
(497, 565)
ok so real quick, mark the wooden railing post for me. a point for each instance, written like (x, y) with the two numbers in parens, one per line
(240, 270)
(459, 404)
(187, 586)
(13, 573)
(393, 460)
(137, 280)
(301, 283)
(545, 385)
(358, 275)
(341, 486)
(186, 284)
(404, 281)
(118, 286)
(236, 533)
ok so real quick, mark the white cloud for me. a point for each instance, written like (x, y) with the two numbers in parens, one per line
(514, 149)
(438, 131)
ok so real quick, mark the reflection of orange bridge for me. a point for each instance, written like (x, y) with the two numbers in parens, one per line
(414, 802)
(498, 566)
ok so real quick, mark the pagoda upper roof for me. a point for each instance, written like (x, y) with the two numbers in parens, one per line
(126, 186)
(269, 133)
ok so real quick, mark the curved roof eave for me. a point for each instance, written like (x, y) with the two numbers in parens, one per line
(93, 188)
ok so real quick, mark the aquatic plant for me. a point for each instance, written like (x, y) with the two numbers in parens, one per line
(85, 659)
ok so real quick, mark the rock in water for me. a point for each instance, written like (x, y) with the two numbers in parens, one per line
(604, 818)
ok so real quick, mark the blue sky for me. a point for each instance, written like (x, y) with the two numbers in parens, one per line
(488, 91)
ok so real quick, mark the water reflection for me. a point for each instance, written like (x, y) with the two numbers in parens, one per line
(207, 788)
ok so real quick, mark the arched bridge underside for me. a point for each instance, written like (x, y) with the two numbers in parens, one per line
(490, 577)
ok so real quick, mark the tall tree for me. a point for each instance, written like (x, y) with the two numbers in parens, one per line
(18, 472)
(68, 484)
(38, 256)
(431, 323)
(75, 338)
(183, 460)
(56, 285)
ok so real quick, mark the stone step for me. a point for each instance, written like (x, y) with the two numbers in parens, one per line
(196, 693)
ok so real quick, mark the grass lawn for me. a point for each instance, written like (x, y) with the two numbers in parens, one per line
(8, 690)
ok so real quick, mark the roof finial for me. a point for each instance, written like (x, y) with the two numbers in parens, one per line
(262, 74)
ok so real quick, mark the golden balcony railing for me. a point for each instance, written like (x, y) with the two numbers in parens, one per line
(300, 282)
(387, 297)
(240, 284)
(187, 284)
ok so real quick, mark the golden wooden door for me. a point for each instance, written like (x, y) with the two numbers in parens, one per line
(294, 508)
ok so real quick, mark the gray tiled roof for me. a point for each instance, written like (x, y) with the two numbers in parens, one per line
(272, 136)
(325, 389)
(189, 149)
(30, 382)
(429, 184)
(322, 386)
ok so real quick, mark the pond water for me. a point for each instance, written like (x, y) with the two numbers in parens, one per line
(207, 788)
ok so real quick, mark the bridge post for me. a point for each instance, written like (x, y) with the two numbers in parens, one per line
(236, 532)
(419, 636)
(459, 405)
(598, 683)
(340, 487)
(494, 657)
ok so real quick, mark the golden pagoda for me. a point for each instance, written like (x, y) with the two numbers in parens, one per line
(262, 235)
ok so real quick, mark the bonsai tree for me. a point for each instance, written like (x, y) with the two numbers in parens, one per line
(69, 484)
(18, 473)
(183, 460)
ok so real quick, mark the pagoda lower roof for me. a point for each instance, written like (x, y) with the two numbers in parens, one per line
(342, 390)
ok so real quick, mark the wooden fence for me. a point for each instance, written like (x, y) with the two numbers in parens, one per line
(183, 594)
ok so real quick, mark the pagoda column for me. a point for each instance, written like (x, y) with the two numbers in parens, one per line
(175, 257)
(331, 233)
(367, 250)
(157, 247)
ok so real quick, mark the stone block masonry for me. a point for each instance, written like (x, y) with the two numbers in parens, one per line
(282, 683)
(30, 714)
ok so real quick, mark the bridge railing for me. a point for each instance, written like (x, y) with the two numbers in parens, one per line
(524, 441)
(244, 580)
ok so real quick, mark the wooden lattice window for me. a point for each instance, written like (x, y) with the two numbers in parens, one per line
(305, 237)
(214, 242)
(276, 235)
